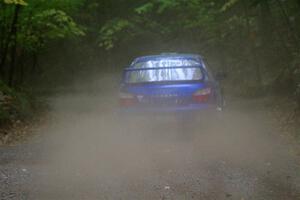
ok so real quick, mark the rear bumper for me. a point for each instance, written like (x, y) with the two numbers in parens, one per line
(193, 108)
(171, 118)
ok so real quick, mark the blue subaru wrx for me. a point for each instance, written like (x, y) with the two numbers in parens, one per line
(169, 83)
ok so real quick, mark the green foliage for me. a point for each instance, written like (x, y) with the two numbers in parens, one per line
(109, 33)
(16, 2)
(68, 6)
(28, 27)
(41, 21)
(146, 8)
(163, 18)
(56, 24)
(47, 25)
(165, 5)
(229, 4)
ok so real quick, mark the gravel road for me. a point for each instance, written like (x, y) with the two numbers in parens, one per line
(86, 153)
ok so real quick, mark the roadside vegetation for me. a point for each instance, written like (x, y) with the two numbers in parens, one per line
(46, 44)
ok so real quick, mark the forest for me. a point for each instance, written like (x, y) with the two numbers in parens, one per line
(64, 129)
(47, 44)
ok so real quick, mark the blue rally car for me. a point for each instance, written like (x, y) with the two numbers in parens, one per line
(169, 83)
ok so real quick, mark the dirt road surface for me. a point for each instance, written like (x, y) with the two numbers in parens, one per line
(85, 152)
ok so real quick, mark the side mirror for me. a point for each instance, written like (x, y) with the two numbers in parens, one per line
(220, 76)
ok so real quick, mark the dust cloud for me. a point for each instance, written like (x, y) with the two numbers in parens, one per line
(92, 151)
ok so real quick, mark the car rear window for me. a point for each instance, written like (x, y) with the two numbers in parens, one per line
(166, 62)
(162, 75)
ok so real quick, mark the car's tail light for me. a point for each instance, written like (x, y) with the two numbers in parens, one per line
(202, 95)
(127, 99)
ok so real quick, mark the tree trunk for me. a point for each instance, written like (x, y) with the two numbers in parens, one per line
(34, 63)
(265, 53)
(20, 65)
(221, 49)
(265, 23)
(3, 22)
(251, 40)
(289, 25)
(12, 65)
(14, 45)
(11, 35)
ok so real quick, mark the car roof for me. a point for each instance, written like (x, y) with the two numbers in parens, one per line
(167, 55)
